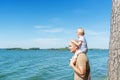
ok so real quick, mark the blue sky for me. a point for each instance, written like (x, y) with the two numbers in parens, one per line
(53, 23)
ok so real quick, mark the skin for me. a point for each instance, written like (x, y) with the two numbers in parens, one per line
(78, 43)
(81, 71)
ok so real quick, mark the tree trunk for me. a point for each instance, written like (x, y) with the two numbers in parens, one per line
(114, 45)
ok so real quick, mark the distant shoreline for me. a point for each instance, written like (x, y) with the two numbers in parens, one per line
(66, 48)
(21, 49)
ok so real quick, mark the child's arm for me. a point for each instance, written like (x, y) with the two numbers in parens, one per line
(78, 43)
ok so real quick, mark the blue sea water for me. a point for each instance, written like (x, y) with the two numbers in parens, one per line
(47, 64)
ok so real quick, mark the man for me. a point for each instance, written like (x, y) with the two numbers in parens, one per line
(81, 66)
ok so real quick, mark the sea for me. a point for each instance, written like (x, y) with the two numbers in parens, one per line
(48, 64)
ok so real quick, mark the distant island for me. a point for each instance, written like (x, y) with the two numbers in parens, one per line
(22, 49)
(66, 48)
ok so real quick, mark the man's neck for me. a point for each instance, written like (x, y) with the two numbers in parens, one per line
(76, 51)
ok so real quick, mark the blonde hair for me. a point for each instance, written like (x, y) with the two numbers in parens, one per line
(80, 31)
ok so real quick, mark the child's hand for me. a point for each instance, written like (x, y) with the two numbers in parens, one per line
(75, 42)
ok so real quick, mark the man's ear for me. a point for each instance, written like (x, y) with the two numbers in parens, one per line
(76, 47)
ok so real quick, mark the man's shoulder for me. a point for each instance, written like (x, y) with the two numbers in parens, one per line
(81, 60)
(82, 56)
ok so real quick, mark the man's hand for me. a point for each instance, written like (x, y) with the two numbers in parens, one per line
(79, 70)
(72, 63)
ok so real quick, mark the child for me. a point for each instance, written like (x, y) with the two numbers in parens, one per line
(81, 43)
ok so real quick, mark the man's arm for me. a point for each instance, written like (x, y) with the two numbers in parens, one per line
(81, 70)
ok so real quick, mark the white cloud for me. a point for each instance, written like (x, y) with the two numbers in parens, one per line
(95, 33)
(42, 27)
(38, 42)
(51, 42)
(56, 20)
(97, 39)
(54, 30)
(13, 43)
(49, 29)
(98, 42)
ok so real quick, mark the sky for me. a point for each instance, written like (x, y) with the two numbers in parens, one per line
(53, 23)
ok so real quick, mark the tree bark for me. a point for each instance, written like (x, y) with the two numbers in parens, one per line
(114, 45)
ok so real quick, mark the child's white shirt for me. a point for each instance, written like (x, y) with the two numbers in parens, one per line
(82, 48)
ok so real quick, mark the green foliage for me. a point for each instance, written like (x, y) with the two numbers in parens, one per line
(66, 48)
(34, 49)
(15, 49)
(22, 49)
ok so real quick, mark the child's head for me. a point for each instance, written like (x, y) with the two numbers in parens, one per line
(80, 32)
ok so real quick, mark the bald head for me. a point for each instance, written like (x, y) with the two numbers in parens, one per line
(72, 47)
